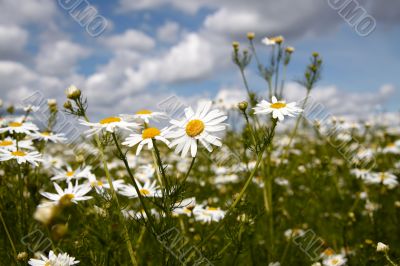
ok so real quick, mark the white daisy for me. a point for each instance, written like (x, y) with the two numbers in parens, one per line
(20, 127)
(385, 178)
(21, 156)
(208, 214)
(109, 124)
(147, 115)
(146, 137)
(50, 136)
(184, 207)
(70, 194)
(268, 41)
(62, 259)
(11, 144)
(197, 126)
(69, 174)
(145, 172)
(150, 189)
(278, 108)
(335, 260)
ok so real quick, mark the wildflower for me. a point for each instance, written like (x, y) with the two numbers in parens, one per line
(49, 136)
(45, 213)
(224, 179)
(146, 115)
(289, 49)
(278, 108)
(149, 189)
(52, 102)
(72, 194)
(62, 259)
(145, 172)
(292, 233)
(335, 260)
(73, 92)
(109, 124)
(11, 144)
(382, 247)
(197, 126)
(146, 137)
(30, 108)
(19, 127)
(268, 41)
(184, 207)
(243, 106)
(208, 214)
(21, 156)
(70, 174)
(22, 256)
(385, 178)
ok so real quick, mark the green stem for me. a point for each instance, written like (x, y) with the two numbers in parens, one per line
(160, 166)
(128, 169)
(115, 197)
(8, 236)
(389, 259)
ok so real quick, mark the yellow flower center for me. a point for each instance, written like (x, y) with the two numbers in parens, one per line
(143, 112)
(150, 132)
(70, 173)
(391, 145)
(328, 252)
(46, 133)
(15, 124)
(335, 261)
(278, 105)
(383, 176)
(212, 209)
(66, 199)
(47, 263)
(6, 143)
(109, 120)
(194, 128)
(18, 153)
(144, 192)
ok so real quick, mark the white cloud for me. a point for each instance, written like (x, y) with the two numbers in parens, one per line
(12, 40)
(131, 40)
(169, 32)
(27, 12)
(60, 58)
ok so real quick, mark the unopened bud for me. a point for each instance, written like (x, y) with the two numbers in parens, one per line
(59, 231)
(315, 54)
(22, 256)
(380, 247)
(235, 46)
(251, 35)
(243, 106)
(289, 49)
(73, 92)
(68, 105)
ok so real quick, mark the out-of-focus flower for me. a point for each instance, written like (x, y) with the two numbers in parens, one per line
(208, 214)
(49, 136)
(279, 109)
(62, 259)
(149, 189)
(109, 124)
(72, 194)
(21, 156)
(20, 127)
(73, 92)
(380, 247)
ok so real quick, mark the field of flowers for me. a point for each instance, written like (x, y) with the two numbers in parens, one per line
(268, 182)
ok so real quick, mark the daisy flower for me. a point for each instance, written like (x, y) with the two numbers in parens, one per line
(208, 214)
(70, 174)
(11, 144)
(335, 260)
(145, 115)
(268, 41)
(146, 137)
(20, 127)
(278, 108)
(109, 124)
(62, 259)
(70, 194)
(197, 127)
(149, 189)
(49, 136)
(21, 156)
(385, 178)
(184, 207)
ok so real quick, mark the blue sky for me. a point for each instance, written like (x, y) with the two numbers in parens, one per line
(153, 49)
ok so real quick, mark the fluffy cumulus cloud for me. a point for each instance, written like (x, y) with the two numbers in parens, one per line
(130, 40)
(12, 41)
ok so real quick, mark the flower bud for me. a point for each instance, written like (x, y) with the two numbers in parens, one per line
(68, 105)
(73, 92)
(243, 106)
(278, 39)
(382, 247)
(22, 256)
(58, 231)
(51, 102)
(315, 54)
(289, 49)
(250, 35)
(235, 46)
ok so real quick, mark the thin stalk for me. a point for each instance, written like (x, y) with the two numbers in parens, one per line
(160, 166)
(277, 69)
(115, 197)
(246, 84)
(128, 169)
(389, 259)
(280, 95)
(8, 236)
(189, 170)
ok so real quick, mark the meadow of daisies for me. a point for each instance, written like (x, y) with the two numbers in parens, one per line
(261, 183)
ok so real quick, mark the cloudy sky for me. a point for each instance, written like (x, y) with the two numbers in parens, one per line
(154, 49)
